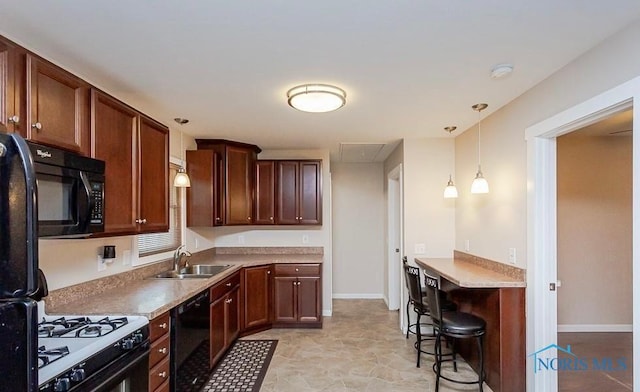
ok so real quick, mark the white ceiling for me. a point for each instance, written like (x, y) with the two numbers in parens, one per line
(410, 68)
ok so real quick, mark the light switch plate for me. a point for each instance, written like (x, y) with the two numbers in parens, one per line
(512, 255)
(126, 257)
(305, 239)
(420, 249)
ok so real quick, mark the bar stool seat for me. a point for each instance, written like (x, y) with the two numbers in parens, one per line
(453, 325)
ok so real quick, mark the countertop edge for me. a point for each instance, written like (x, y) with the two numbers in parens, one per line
(492, 279)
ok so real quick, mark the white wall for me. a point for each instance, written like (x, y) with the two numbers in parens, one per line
(249, 236)
(358, 230)
(594, 230)
(497, 221)
(429, 218)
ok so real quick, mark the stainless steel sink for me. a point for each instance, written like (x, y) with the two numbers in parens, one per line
(204, 269)
(196, 271)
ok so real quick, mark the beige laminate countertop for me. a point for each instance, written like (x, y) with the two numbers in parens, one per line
(467, 274)
(153, 297)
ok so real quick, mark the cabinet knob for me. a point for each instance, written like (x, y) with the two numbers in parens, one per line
(270, 218)
(37, 126)
(162, 350)
(163, 326)
(268, 272)
(297, 270)
(228, 284)
(228, 300)
(141, 221)
(14, 119)
(248, 218)
(162, 374)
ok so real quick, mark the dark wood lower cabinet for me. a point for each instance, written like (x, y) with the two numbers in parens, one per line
(257, 298)
(297, 295)
(224, 316)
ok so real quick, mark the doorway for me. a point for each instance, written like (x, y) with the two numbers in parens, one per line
(394, 241)
(542, 229)
(594, 220)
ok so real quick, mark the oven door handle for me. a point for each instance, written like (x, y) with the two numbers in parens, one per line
(117, 372)
(89, 200)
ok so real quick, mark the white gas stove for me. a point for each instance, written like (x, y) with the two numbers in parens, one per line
(77, 350)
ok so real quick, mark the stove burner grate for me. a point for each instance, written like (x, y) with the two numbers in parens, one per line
(47, 356)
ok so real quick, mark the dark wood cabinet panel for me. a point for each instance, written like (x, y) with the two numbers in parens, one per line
(265, 203)
(217, 340)
(204, 201)
(114, 137)
(299, 192)
(310, 204)
(239, 186)
(153, 176)
(233, 315)
(257, 297)
(309, 310)
(57, 107)
(284, 299)
(287, 193)
(12, 87)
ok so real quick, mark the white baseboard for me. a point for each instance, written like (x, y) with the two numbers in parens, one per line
(327, 313)
(595, 328)
(358, 296)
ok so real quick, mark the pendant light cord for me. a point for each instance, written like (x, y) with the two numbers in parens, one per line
(479, 122)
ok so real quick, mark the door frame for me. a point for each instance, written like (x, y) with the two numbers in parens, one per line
(541, 222)
(394, 239)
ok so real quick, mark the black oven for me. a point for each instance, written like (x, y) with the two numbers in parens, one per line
(70, 192)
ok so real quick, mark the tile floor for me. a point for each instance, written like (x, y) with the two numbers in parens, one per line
(360, 348)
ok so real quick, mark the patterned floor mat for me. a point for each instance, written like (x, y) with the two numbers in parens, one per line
(243, 368)
(194, 371)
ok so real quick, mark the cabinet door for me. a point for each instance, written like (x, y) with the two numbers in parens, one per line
(265, 193)
(218, 189)
(310, 204)
(239, 186)
(257, 289)
(11, 88)
(153, 175)
(201, 194)
(232, 316)
(217, 330)
(309, 300)
(57, 107)
(287, 193)
(284, 307)
(114, 128)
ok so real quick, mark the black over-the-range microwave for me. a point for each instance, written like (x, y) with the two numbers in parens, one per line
(70, 192)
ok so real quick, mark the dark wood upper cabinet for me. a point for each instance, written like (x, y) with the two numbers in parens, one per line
(265, 203)
(153, 176)
(114, 139)
(57, 107)
(135, 149)
(237, 179)
(12, 87)
(299, 192)
(203, 201)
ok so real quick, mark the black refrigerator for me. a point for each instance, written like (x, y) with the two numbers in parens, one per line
(18, 267)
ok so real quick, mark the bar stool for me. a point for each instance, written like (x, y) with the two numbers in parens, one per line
(453, 325)
(411, 328)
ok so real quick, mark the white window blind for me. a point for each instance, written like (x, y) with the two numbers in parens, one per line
(149, 244)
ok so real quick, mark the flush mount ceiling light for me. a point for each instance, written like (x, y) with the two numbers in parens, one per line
(501, 70)
(450, 191)
(480, 184)
(181, 179)
(316, 98)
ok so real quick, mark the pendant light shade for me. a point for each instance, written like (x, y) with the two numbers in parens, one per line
(450, 192)
(181, 179)
(480, 184)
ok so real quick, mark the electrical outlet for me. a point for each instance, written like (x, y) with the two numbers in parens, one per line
(420, 249)
(196, 244)
(126, 257)
(466, 245)
(305, 239)
(241, 239)
(102, 266)
(512, 255)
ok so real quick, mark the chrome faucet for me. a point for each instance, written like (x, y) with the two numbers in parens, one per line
(178, 255)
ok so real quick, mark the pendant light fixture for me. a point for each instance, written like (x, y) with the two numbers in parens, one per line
(480, 184)
(181, 179)
(450, 191)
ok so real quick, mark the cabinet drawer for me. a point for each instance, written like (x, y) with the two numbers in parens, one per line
(225, 286)
(159, 326)
(158, 374)
(159, 350)
(298, 269)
